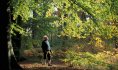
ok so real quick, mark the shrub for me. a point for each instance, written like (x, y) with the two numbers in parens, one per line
(85, 60)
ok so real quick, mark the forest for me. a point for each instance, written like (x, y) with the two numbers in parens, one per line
(83, 34)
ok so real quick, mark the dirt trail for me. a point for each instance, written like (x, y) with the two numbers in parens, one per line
(39, 66)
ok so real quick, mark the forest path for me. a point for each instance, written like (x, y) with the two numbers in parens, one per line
(38, 66)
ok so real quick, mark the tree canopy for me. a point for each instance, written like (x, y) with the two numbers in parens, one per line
(71, 15)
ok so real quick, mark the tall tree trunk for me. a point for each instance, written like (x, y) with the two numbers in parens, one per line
(7, 58)
(4, 20)
(11, 44)
(16, 39)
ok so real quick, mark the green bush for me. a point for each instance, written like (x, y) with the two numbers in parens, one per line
(85, 60)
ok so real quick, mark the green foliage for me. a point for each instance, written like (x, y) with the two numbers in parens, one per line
(17, 28)
(108, 31)
(83, 59)
(100, 11)
(26, 42)
(91, 61)
(22, 8)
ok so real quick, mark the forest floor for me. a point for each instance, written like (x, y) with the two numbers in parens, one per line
(37, 65)
(35, 62)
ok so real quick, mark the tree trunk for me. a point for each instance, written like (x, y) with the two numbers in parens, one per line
(13, 65)
(16, 40)
(7, 58)
(3, 35)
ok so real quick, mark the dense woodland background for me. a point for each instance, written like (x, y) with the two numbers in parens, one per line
(83, 34)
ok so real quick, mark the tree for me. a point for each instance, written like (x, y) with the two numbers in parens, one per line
(66, 18)
(8, 58)
(4, 15)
